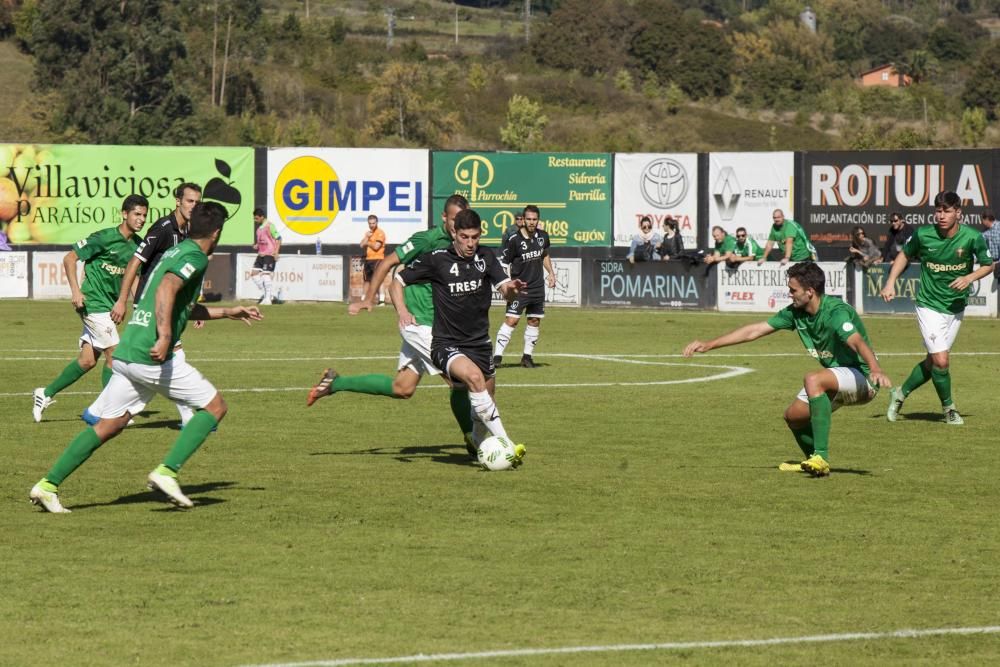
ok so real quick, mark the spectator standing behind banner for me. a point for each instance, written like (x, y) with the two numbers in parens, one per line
(992, 236)
(512, 229)
(374, 245)
(724, 244)
(863, 251)
(672, 244)
(4, 244)
(744, 250)
(267, 244)
(793, 239)
(644, 244)
(899, 234)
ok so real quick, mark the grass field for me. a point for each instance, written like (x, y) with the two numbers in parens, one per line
(649, 510)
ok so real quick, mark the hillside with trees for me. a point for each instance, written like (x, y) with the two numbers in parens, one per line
(573, 75)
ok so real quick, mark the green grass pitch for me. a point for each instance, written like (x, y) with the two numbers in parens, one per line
(648, 510)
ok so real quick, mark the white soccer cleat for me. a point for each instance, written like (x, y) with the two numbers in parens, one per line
(41, 402)
(265, 302)
(47, 500)
(170, 488)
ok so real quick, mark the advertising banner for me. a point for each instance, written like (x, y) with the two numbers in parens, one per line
(571, 190)
(615, 282)
(848, 188)
(328, 193)
(296, 278)
(568, 283)
(62, 193)
(657, 185)
(218, 282)
(48, 277)
(982, 294)
(746, 188)
(13, 275)
(764, 288)
(356, 283)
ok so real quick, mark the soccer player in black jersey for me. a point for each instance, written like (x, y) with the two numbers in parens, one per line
(526, 253)
(460, 277)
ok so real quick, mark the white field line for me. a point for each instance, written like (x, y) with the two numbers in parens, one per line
(666, 646)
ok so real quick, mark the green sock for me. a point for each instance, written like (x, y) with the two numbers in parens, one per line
(941, 378)
(106, 375)
(78, 451)
(190, 439)
(377, 385)
(820, 412)
(918, 376)
(461, 407)
(69, 375)
(804, 439)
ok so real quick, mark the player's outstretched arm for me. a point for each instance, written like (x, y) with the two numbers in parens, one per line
(898, 266)
(244, 313)
(744, 334)
(858, 344)
(406, 318)
(118, 310)
(381, 271)
(512, 288)
(962, 282)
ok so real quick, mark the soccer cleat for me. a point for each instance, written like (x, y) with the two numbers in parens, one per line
(496, 360)
(265, 302)
(527, 361)
(816, 466)
(324, 388)
(519, 452)
(791, 466)
(169, 486)
(41, 402)
(895, 404)
(951, 416)
(47, 500)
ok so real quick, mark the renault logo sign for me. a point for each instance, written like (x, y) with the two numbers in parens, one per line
(664, 183)
(726, 193)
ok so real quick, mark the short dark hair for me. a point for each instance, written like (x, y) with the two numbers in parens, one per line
(719, 227)
(809, 275)
(670, 223)
(895, 215)
(179, 190)
(531, 208)
(645, 219)
(857, 228)
(741, 229)
(456, 200)
(133, 201)
(468, 219)
(206, 217)
(948, 199)
(988, 215)
(259, 211)
(372, 215)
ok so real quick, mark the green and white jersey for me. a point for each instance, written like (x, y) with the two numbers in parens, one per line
(802, 249)
(941, 261)
(825, 334)
(105, 254)
(185, 260)
(418, 298)
(749, 249)
(727, 244)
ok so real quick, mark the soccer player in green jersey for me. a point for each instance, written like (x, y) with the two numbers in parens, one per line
(793, 240)
(724, 244)
(146, 364)
(947, 251)
(104, 254)
(415, 352)
(833, 333)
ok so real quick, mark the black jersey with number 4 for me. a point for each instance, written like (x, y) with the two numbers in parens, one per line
(524, 256)
(163, 235)
(461, 291)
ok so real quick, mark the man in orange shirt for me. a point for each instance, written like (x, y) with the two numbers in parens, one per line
(374, 245)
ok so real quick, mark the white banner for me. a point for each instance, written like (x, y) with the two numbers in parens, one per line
(753, 288)
(657, 185)
(13, 275)
(568, 283)
(745, 188)
(48, 277)
(328, 193)
(296, 278)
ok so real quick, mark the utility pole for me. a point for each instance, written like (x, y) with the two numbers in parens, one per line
(391, 14)
(527, 21)
(456, 22)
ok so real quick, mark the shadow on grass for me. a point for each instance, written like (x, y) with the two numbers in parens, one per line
(517, 364)
(190, 490)
(838, 471)
(447, 454)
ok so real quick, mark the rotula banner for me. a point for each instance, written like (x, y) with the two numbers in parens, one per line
(62, 193)
(571, 190)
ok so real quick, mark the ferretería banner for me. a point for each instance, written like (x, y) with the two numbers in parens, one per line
(845, 189)
(571, 190)
(745, 189)
(59, 194)
(657, 185)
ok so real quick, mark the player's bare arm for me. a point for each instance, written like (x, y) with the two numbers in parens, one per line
(69, 263)
(547, 263)
(406, 318)
(277, 249)
(858, 344)
(789, 242)
(131, 271)
(744, 334)
(962, 282)
(378, 277)
(246, 314)
(512, 288)
(765, 252)
(898, 266)
(166, 294)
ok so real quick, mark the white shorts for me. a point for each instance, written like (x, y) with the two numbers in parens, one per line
(415, 351)
(853, 388)
(99, 331)
(132, 386)
(939, 330)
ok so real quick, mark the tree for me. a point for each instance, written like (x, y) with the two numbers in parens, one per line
(917, 64)
(399, 105)
(982, 88)
(973, 127)
(525, 123)
(588, 35)
(848, 23)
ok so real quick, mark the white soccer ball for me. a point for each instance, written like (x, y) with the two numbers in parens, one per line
(496, 453)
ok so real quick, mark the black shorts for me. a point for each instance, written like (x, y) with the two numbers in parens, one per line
(480, 355)
(531, 305)
(265, 263)
(369, 269)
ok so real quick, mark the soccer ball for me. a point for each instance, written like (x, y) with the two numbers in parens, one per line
(496, 453)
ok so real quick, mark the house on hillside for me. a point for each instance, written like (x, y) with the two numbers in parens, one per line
(884, 75)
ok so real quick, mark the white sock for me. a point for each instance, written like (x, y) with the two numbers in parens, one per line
(530, 339)
(267, 285)
(503, 337)
(257, 280)
(487, 413)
